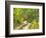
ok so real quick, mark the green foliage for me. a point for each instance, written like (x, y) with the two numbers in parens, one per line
(34, 25)
(29, 14)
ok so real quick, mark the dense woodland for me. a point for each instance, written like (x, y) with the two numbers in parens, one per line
(26, 14)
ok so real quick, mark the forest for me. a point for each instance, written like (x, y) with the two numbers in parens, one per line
(25, 18)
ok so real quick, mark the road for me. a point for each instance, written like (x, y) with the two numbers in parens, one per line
(24, 25)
